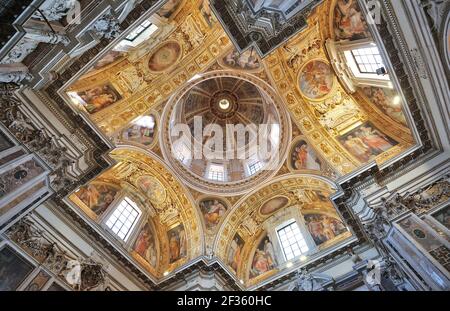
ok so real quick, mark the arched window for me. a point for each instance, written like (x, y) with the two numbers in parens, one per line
(124, 218)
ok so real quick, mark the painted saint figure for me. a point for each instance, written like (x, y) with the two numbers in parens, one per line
(349, 21)
(145, 245)
(366, 142)
(264, 258)
(100, 97)
(374, 140)
(323, 228)
(304, 158)
(358, 148)
(316, 79)
(245, 61)
(177, 243)
(234, 255)
(213, 211)
(387, 100)
(97, 197)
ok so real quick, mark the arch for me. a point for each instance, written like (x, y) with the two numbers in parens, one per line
(174, 188)
(170, 222)
(245, 221)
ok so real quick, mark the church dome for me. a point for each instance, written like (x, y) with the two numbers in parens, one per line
(224, 133)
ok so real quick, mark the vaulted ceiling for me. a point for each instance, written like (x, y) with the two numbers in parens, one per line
(327, 132)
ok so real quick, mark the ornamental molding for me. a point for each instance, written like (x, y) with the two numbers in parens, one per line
(79, 273)
(312, 282)
(49, 148)
(264, 29)
(107, 26)
(54, 10)
(418, 202)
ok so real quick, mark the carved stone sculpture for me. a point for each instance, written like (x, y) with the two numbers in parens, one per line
(48, 148)
(54, 10)
(106, 26)
(91, 274)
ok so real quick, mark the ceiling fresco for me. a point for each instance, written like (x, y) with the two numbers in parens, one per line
(289, 196)
(170, 230)
(327, 132)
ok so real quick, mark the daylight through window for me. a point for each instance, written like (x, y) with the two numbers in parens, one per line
(292, 241)
(124, 218)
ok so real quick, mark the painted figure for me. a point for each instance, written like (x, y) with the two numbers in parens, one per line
(213, 211)
(386, 100)
(247, 60)
(316, 79)
(323, 228)
(264, 258)
(145, 245)
(349, 21)
(234, 255)
(99, 97)
(177, 243)
(97, 197)
(141, 131)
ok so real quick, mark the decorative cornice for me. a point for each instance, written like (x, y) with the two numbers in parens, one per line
(265, 29)
(341, 202)
(91, 274)
(9, 11)
(101, 146)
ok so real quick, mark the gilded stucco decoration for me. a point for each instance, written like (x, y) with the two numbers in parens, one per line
(244, 228)
(322, 109)
(171, 222)
(335, 133)
(201, 40)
